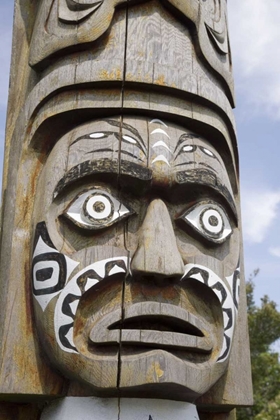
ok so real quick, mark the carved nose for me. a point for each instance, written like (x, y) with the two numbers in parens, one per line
(157, 255)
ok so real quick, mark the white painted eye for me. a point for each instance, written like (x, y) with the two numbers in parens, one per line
(96, 209)
(210, 220)
(189, 148)
(207, 151)
(97, 135)
(129, 139)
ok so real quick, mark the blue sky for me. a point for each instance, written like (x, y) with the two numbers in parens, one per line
(255, 38)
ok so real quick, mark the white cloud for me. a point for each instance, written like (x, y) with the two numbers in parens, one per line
(255, 34)
(275, 251)
(259, 210)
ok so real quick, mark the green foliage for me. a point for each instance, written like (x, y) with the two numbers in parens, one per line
(264, 330)
(271, 411)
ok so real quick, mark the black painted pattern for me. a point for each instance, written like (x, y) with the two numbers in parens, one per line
(44, 274)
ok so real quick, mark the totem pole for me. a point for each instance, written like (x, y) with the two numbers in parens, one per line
(122, 287)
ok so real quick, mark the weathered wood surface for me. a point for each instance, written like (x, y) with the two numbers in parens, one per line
(17, 411)
(217, 416)
(96, 70)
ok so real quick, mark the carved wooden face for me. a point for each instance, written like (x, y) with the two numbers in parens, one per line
(135, 270)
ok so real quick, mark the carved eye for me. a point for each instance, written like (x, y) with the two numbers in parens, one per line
(73, 11)
(130, 140)
(96, 209)
(210, 220)
(98, 135)
(207, 151)
(189, 148)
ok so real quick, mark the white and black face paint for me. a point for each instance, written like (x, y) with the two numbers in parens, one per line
(50, 269)
(228, 297)
(51, 272)
(51, 275)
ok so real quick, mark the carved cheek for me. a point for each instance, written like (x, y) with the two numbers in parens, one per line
(223, 259)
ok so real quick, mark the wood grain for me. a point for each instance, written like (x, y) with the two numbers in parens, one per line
(131, 64)
(15, 411)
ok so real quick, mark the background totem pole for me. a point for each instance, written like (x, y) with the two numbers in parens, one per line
(121, 249)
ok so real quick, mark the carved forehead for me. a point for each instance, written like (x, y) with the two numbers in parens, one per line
(135, 147)
(142, 133)
(153, 144)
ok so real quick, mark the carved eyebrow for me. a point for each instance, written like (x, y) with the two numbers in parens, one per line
(108, 149)
(208, 179)
(193, 162)
(109, 166)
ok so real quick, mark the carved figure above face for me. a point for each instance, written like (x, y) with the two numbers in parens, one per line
(135, 270)
(68, 24)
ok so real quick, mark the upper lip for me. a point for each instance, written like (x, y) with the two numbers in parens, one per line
(153, 324)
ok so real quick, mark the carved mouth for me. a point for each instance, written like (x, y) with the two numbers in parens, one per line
(152, 324)
(157, 323)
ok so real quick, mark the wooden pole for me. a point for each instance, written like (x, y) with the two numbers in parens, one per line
(121, 248)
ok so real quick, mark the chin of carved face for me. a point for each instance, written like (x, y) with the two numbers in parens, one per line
(136, 293)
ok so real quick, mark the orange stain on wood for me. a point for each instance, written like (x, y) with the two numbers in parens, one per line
(160, 80)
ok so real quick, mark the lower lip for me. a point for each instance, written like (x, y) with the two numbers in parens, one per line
(164, 339)
(104, 333)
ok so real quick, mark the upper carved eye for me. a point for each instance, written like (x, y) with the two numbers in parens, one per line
(96, 209)
(210, 220)
(73, 11)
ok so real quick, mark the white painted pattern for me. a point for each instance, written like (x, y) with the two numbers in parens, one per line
(188, 148)
(161, 143)
(235, 288)
(206, 221)
(161, 158)
(113, 209)
(160, 131)
(60, 318)
(213, 279)
(69, 336)
(44, 300)
(52, 281)
(99, 199)
(129, 139)
(198, 216)
(74, 306)
(97, 135)
(41, 249)
(207, 152)
(156, 121)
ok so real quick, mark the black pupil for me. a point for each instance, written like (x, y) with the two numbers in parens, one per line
(213, 221)
(98, 206)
